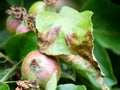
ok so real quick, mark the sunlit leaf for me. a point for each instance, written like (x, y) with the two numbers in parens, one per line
(58, 26)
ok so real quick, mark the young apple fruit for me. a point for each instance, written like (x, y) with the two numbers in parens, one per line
(37, 7)
(38, 67)
(22, 28)
(12, 24)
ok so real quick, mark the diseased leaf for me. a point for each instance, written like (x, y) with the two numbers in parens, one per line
(68, 35)
(71, 87)
(4, 86)
(61, 25)
(18, 46)
(85, 68)
(106, 23)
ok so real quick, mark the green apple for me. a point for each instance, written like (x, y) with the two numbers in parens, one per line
(37, 7)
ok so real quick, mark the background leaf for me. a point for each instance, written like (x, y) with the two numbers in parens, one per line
(24, 3)
(71, 87)
(105, 64)
(4, 35)
(4, 86)
(16, 3)
(106, 23)
(18, 46)
(67, 71)
(3, 6)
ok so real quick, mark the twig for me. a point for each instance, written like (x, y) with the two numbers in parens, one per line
(10, 82)
(9, 72)
(6, 58)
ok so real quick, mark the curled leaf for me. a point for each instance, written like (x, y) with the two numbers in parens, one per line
(73, 41)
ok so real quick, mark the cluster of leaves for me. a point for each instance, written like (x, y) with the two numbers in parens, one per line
(106, 36)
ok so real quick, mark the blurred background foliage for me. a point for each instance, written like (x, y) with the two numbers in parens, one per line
(106, 25)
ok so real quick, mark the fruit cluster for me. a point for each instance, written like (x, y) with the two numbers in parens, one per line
(36, 67)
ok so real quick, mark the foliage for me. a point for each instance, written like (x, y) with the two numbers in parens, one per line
(63, 34)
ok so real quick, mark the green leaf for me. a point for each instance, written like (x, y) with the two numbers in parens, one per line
(3, 72)
(71, 87)
(108, 40)
(4, 86)
(15, 2)
(67, 71)
(68, 21)
(18, 46)
(3, 37)
(5, 67)
(106, 23)
(116, 88)
(104, 62)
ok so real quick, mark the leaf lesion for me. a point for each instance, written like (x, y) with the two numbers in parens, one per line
(48, 38)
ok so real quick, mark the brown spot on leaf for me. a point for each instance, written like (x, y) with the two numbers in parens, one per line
(48, 38)
(84, 50)
(72, 40)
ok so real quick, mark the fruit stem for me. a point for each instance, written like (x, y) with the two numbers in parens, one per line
(6, 58)
(9, 72)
